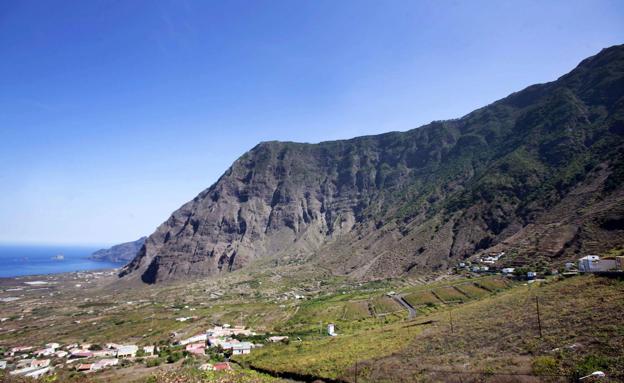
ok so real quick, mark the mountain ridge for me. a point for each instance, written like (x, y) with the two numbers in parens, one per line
(121, 253)
(405, 202)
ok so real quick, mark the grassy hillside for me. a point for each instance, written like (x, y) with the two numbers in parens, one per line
(582, 330)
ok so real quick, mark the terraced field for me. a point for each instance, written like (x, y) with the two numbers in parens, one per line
(422, 298)
(493, 284)
(426, 299)
(355, 310)
(494, 339)
(472, 290)
(450, 295)
(385, 305)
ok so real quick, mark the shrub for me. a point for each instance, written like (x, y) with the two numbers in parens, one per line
(155, 362)
(174, 357)
(545, 365)
(593, 363)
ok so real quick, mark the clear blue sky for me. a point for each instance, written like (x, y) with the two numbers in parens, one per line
(114, 113)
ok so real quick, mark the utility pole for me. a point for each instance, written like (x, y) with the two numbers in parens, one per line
(539, 321)
(356, 371)
(451, 320)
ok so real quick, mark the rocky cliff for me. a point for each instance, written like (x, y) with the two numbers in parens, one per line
(538, 173)
(122, 253)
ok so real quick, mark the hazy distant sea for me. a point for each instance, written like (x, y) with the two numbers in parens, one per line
(16, 260)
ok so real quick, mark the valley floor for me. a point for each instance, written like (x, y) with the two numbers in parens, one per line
(465, 328)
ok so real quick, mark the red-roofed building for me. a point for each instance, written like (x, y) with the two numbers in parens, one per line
(84, 367)
(222, 366)
(196, 348)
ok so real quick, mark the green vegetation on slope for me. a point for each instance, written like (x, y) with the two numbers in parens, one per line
(582, 322)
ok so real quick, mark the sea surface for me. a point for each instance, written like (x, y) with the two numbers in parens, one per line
(17, 260)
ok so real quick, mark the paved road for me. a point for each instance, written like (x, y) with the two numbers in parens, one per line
(411, 312)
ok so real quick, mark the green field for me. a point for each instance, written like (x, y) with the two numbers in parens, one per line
(495, 334)
(422, 298)
(356, 310)
(450, 294)
(385, 305)
(472, 290)
(493, 284)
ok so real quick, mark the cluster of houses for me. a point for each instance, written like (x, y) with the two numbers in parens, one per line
(31, 362)
(483, 264)
(586, 264)
(220, 336)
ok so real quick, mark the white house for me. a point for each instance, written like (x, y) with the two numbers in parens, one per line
(3, 364)
(585, 263)
(593, 263)
(508, 270)
(148, 350)
(238, 348)
(128, 351)
(241, 348)
(53, 345)
(194, 339)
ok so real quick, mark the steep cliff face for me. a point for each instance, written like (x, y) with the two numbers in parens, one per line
(122, 253)
(546, 162)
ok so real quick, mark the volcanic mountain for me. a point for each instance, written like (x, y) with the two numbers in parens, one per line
(537, 174)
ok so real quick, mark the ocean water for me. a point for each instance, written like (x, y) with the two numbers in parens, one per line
(17, 260)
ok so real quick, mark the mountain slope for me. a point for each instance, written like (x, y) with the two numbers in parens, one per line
(538, 173)
(122, 253)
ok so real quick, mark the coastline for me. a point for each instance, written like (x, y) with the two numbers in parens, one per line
(46, 280)
(39, 260)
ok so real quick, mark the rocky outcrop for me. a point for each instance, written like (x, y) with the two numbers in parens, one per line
(404, 202)
(122, 253)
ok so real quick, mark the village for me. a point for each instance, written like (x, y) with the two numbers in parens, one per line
(494, 263)
(212, 347)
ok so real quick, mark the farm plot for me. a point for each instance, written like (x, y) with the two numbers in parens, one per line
(385, 305)
(355, 310)
(422, 298)
(450, 294)
(492, 284)
(472, 290)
